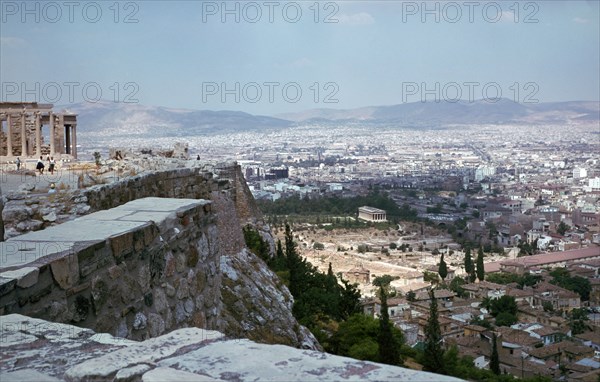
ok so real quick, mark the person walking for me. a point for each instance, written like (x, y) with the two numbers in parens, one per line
(18, 162)
(40, 166)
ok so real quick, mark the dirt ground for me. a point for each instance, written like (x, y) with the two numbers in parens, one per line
(341, 250)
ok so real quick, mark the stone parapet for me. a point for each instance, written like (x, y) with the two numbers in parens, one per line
(136, 271)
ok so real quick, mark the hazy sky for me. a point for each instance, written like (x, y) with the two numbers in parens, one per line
(289, 56)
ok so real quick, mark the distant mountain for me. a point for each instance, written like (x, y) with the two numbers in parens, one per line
(112, 119)
(107, 119)
(463, 112)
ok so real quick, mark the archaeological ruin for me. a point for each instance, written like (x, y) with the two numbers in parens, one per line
(22, 130)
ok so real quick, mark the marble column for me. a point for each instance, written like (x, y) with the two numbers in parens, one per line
(38, 134)
(2, 116)
(74, 140)
(61, 134)
(23, 136)
(51, 125)
(9, 147)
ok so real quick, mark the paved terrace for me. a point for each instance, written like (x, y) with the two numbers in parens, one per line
(21, 254)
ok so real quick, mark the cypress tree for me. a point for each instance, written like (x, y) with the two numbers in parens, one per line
(468, 261)
(433, 357)
(388, 351)
(443, 268)
(494, 359)
(480, 268)
(294, 263)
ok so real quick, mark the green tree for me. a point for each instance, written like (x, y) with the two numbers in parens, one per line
(443, 268)
(480, 267)
(456, 286)
(433, 357)
(494, 359)
(256, 244)
(431, 277)
(279, 262)
(358, 331)
(481, 322)
(505, 304)
(383, 281)
(411, 296)
(577, 284)
(547, 305)
(468, 261)
(294, 263)
(577, 321)
(97, 158)
(505, 319)
(563, 228)
(388, 348)
(472, 276)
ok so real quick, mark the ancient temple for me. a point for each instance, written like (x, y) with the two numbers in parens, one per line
(22, 125)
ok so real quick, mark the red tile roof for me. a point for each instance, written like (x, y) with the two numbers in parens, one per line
(548, 258)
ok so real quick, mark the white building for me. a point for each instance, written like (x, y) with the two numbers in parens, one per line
(483, 172)
(371, 214)
(579, 173)
(593, 184)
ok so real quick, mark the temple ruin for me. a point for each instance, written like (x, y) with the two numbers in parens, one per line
(22, 125)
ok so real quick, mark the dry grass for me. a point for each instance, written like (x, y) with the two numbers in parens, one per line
(82, 166)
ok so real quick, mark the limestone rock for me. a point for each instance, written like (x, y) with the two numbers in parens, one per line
(30, 225)
(14, 212)
(65, 352)
(140, 321)
(26, 187)
(26, 276)
(257, 305)
(51, 217)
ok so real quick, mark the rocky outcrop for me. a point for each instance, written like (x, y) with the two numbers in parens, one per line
(252, 302)
(147, 267)
(256, 304)
(37, 350)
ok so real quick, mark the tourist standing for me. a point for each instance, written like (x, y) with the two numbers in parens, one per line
(18, 164)
(52, 164)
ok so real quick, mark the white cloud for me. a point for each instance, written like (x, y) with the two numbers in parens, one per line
(362, 18)
(11, 42)
(580, 20)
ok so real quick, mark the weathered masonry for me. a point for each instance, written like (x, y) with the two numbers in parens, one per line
(136, 271)
(22, 125)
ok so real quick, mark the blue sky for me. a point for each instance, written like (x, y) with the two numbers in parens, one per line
(183, 54)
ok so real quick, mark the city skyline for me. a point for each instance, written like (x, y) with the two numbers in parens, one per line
(277, 57)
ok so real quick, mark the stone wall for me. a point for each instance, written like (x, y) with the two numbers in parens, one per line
(25, 213)
(136, 271)
(189, 183)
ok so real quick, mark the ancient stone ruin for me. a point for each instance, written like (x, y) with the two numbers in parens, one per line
(21, 133)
